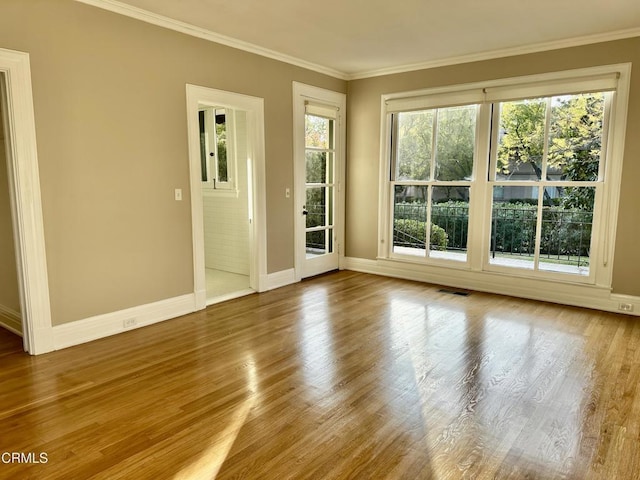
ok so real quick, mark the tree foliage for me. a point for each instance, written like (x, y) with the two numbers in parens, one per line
(453, 130)
(574, 145)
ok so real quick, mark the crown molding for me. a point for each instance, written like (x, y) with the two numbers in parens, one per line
(118, 7)
(199, 32)
(505, 52)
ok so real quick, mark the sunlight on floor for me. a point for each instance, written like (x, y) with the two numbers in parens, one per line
(208, 465)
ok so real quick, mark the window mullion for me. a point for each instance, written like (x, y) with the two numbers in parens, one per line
(427, 239)
(536, 255)
(479, 213)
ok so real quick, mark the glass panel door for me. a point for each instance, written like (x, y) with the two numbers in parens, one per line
(319, 207)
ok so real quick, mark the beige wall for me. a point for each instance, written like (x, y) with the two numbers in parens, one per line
(9, 293)
(363, 151)
(109, 101)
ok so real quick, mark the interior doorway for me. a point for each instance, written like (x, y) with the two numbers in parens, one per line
(225, 200)
(10, 302)
(24, 187)
(226, 152)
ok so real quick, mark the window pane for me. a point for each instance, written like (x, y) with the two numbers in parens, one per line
(414, 145)
(203, 145)
(410, 220)
(521, 140)
(319, 167)
(449, 223)
(513, 226)
(455, 140)
(318, 132)
(567, 216)
(221, 138)
(319, 207)
(319, 243)
(575, 137)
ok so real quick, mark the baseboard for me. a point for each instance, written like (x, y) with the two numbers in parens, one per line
(11, 320)
(100, 326)
(279, 279)
(588, 296)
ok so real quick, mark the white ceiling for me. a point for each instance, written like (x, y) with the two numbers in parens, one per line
(365, 37)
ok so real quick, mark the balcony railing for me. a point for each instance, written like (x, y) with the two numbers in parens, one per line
(565, 233)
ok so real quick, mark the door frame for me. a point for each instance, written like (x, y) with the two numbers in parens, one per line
(254, 106)
(303, 93)
(26, 203)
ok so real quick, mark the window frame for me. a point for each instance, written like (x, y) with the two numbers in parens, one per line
(430, 184)
(480, 205)
(212, 186)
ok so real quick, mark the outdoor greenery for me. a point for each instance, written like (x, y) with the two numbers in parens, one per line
(568, 129)
(575, 141)
(319, 139)
(221, 137)
(454, 142)
(413, 233)
(565, 232)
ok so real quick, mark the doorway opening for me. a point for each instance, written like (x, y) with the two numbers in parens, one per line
(225, 201)
(10, 295)
(226, 152)
(23, 180)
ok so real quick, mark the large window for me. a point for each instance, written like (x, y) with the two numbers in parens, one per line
(433, 153)
(548, 157)
(515, 178)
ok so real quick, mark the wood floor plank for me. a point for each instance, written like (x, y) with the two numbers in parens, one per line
(346, 375)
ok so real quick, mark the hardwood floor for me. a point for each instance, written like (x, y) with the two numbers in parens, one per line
(346, 375)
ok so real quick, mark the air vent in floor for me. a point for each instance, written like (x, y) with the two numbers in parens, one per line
(462, 293)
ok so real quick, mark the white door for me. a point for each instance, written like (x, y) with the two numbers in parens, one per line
(319, 198)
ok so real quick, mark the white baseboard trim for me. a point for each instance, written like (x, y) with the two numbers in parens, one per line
(588, 296)
(280, 279)
(100, 326)
(11, 320)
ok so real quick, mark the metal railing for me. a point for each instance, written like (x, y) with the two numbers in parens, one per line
(565, 233)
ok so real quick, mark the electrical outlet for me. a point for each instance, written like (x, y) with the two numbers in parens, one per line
(625, 307)
(129, 323)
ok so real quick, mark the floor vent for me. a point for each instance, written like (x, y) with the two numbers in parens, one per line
(462, 293)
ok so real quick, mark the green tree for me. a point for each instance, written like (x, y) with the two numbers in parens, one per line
(414, 145)
(455, 140)
(575, 144)
(575, 141)
(522, 136)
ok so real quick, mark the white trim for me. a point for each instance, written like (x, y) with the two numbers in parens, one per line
(199, 32)
(254, 107)
(100, 326)
(500, 53)
(27, 205)
(280, 279)
(587, 296)
(11, 320)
